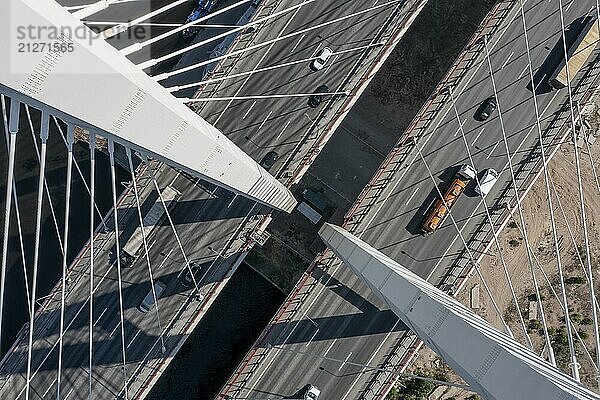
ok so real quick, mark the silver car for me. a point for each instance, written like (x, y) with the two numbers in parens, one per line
(322, 56)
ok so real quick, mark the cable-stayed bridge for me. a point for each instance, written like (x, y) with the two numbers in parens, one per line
(115, 350)
(204, 202)
(332, 331)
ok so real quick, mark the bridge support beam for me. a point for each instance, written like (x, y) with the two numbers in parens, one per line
(80, 78)
(494, 365)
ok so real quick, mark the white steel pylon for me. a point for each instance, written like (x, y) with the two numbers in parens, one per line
(52, 61)
(494, 365)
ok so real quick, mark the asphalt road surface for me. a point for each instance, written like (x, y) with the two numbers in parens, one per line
(206, 219)
(279, 124)
(340, 326)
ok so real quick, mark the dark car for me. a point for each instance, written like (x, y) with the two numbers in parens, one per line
(269, 160)
(202, 9)
(125, 258)
(187, 280)
(486, 109)
(315, 99)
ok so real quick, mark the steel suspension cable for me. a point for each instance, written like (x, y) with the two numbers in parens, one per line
(45, 125)
(92, 229)
(93, 8)
(53, 346)
(70, 133)
(262, 44)
(111, 153)
(520, 210)
(13, 128)
(270, 68)
(146, 251)
(472, 259)
(46, 188)
(574, 364)
(493, 228)
(154, 61)
(17, 213)
(571, 235)
(187, 261)
(558, 299)
(140, 45)
(87, 188)
(588, 148)
(580, 191)
(120, 28)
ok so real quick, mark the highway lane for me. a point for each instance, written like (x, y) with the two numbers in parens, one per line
(253, 123)
(386, 223)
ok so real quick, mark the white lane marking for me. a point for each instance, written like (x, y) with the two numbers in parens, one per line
(100, 316)
(49, 387)
(569, 6)
(458, 130)
(523, 72)
(371, 359)
(331, 62)
(411, 196)
(114, 330)
(329, 348)
(493, 148)
(507, 60)
(265, 120)
(297, 43)
(345, 361)
(248, 112)
(477, 137)
(309, 118)
(312, 337)
(133, 338)
(540, 82)
(283, 130)
(316, 50)
(68, 394)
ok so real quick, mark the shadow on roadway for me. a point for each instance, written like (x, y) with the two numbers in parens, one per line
(106, 325)
(555, 57)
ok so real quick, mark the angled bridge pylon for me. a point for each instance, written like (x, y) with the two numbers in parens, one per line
(85, 81)
(494, 365)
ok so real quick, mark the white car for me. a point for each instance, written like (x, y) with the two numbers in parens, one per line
(467, 172)
(487, 182)
(312, 393)
(322, 57)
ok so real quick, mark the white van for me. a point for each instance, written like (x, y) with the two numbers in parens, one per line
(148, 302)
(487, 182)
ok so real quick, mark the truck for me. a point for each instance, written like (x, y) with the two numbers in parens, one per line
(150, 220)
(441, 207)
(577, 54)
